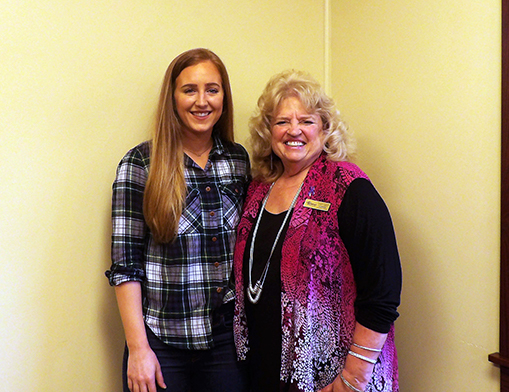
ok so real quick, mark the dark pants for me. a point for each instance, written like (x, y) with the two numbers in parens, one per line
(214, 370)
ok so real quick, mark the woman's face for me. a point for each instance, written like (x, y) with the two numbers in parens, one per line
(297, 135)
(199, 97)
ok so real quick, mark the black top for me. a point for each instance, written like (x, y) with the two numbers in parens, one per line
(264, 318)
(365, 226)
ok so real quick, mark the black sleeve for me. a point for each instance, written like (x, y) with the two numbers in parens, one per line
(366, 229)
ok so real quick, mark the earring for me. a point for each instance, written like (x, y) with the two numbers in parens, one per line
(271, 167)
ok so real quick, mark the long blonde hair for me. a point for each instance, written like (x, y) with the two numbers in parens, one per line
(165, 191)
(338, 143)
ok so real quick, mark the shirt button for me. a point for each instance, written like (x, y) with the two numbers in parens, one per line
(219, 289)
(207, 189)
(212, 213)
(216, 264)
(214, 239)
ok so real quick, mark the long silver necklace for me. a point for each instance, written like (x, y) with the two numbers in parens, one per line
(254, 293)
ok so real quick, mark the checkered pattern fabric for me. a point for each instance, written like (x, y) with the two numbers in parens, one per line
(183, 281)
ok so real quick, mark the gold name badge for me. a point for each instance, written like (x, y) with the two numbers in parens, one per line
(317, 205)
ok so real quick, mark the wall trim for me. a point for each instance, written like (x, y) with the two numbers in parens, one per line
(502, 357)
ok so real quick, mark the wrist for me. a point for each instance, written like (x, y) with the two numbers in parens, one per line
(137, 344)
(351, 384)
(359, 365)
(357, 379)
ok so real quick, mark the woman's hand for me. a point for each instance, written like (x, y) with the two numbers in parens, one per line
(143, 368)
(358, 369)
(144, 371)
(337, 386)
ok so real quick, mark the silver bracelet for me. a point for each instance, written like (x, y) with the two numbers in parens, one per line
(350, 386)
(353, 353)
(375, 350)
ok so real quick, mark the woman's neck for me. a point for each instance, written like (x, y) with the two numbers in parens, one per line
(294, 178)
(198, 148)
(284, 191)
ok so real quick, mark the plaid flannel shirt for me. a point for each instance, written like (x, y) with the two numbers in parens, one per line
(183, 282)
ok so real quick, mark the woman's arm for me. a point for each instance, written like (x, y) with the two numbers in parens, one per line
(127, 269)
(366, 229)
(143, 369)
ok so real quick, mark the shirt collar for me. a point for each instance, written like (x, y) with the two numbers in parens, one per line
(217, 146)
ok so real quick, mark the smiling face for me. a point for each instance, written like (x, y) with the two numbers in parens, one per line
(199, 98)
(297, 135)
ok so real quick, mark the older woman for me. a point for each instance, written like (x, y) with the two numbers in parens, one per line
(318, 277)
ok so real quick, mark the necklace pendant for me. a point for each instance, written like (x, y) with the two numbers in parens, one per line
(254, 293)
(255, 299)
(255, 290)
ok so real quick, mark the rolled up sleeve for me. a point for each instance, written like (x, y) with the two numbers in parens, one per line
(128, 225)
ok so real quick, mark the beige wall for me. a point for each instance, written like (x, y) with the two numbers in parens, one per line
(419, 83)
(79, 82)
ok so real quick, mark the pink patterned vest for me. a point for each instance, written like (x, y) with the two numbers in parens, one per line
(318, 287)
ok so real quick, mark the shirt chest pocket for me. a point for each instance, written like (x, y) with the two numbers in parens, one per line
(191, 218)
(232, 195)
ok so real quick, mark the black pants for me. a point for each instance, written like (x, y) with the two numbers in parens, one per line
(215, 370)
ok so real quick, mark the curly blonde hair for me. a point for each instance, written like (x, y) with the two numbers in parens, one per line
(338, 143)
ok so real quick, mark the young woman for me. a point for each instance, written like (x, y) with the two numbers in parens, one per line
(176, 204)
